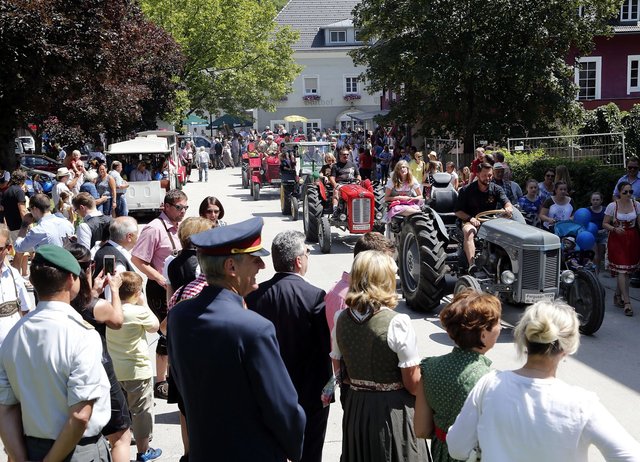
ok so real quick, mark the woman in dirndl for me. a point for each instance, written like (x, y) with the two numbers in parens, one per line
(621, 219)
(402, 192)
(377, 348)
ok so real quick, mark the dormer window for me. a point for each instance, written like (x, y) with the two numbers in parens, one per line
(629, 10)
(338, 36)
(356, 35)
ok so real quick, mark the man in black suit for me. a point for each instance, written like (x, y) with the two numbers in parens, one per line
(240, 404)
(297, 310)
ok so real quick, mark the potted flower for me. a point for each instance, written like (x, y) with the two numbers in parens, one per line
(311, 97)
(352, 96)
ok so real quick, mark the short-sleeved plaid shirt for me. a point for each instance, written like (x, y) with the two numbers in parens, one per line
(190, 290)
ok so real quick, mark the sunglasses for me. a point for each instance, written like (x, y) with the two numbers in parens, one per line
(213, 211)
(179, 208)
(631, 167)
(626, 191)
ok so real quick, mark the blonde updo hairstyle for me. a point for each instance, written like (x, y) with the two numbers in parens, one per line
(373, 282)
(548, 328)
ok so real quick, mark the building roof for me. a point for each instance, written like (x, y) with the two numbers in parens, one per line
(309, 16)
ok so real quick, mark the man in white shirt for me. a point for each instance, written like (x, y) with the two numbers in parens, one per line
(95, 225)
(48, 229)
(202, 161)
(54, 391)
(14, 299)
(62, 177)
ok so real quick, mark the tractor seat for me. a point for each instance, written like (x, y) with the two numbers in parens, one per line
(443, 201)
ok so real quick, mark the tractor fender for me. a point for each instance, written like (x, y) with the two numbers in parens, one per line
(323, 190)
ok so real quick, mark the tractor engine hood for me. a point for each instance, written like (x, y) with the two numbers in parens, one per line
(509, 233)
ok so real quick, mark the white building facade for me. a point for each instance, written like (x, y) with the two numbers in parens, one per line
(328, 91)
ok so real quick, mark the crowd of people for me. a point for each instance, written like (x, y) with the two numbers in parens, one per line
(77, 382)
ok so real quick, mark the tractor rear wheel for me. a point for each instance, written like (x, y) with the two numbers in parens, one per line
(380, 207)
(285, 204)
(311, 213)
(422, 260)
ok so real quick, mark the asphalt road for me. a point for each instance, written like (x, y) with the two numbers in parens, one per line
(607, 363)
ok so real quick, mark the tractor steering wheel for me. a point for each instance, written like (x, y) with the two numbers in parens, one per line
(490, 215)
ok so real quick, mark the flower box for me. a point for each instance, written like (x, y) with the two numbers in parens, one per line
(352, 96)
(311, 97)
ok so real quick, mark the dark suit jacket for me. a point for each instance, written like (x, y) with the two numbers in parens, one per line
(240, 403)
(297, 310)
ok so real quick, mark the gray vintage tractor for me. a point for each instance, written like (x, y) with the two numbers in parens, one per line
(516, 261)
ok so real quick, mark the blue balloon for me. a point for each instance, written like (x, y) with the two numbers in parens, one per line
(593, 229)
(157, 176)
(585, 240)
(582, 216)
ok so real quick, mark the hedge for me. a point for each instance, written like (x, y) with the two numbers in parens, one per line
(587, 175)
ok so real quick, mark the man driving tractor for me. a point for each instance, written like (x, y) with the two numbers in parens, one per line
(343, 172)
(480, 196)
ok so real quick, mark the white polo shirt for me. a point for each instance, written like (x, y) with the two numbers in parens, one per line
(50, 361)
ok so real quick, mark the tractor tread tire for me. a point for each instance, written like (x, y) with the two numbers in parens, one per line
(312, 211)
(420, 237)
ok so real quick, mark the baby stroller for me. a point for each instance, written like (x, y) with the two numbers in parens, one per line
(586, 294)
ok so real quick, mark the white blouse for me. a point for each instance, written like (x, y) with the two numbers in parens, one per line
(516, 418)
(401, 338)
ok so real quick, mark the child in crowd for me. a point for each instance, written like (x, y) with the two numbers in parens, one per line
(597, 216)
(65, 208)
(531, 203)
(129, 351)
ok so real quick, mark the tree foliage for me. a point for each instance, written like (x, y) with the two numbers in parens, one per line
(236, 57)
(475, 66)
(90, 66)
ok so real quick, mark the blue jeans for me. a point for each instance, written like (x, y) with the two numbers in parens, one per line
(204, 167)
(121, 206)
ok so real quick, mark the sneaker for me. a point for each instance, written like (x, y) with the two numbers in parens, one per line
(149, 454)
(161, 391)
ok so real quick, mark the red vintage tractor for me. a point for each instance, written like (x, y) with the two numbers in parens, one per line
(264, 172)
(361, 209)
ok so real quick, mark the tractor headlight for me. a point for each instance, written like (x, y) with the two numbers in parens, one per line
(343, 217)
(507, 277)
(300, 181)
(567, 276)
(378, 215)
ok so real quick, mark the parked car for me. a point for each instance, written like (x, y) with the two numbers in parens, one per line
(38, 162)
(28, 143)
(197, 140)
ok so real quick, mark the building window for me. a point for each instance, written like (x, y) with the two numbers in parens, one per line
(351, 85)
(629, 10)
(633, 73)
(310, 85)
(313, 125)
(588, 77)
(356, 35)
(338, 36)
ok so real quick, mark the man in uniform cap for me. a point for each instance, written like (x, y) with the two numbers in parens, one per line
(54, 392)
(239, 401)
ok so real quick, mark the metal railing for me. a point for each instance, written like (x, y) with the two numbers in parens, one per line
(609, 148)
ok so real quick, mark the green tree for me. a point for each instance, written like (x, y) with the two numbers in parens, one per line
(236, 56)
(91, 66)
(464, 66)
(631, 122)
